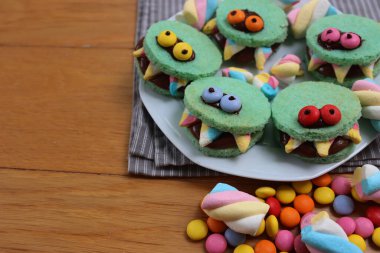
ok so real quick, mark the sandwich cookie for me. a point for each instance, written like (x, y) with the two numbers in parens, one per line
(173, 54)
(343, 49)
(317, 121)
(250, 30)
(224, 117)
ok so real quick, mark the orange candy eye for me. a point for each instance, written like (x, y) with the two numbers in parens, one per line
(235, 17)
(254, 23)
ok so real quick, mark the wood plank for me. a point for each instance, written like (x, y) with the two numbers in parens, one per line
(70, 212)
(69, 23)
(65, 109)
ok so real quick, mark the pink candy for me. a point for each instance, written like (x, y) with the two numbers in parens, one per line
(341, 186)
(216, 243)
(348, 224)
(284, 240)
(364, 227)
(350, 40)
(330, 35)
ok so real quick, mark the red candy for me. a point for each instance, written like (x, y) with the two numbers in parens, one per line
(331, 115)
(308, 116)
(373, 213)
(274, 206)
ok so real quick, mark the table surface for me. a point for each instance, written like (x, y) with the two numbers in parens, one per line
(66, 74)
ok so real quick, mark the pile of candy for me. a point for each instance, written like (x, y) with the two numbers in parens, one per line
(285, 219)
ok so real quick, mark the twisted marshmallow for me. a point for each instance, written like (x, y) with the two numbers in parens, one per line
(302, 17)
(240, 211)
(198, 13)
(369, 95)
(288, 68)
(323, 235)
(366, 183)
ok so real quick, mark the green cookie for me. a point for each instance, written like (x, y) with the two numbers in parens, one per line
(275, 23)
(249, 117)
(163, 69)
(365, 54)
(288, 104)
(207, 56)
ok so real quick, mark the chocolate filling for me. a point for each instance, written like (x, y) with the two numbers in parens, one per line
(307, 149)
(241, 26)
(328, 70)
(246, 55)
(224, 141)
(161, 80)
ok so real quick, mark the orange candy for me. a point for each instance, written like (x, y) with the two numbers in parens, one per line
(216, 226)
(324, 180)
(236, 17)
(290, 217)
(254, 23)
(265, 246)
(303, 203)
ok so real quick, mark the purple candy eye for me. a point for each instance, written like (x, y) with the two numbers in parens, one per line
(330, 35)
(350, 40)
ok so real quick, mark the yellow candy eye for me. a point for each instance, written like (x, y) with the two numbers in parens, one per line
(167, 38)
(182, 51)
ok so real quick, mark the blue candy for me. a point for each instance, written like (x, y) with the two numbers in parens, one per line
(234, 238)
(230, 103)
(343, 205)
(212, 95)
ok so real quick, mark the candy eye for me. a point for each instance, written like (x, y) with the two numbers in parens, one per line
(330, 35)
(254, 23)
(235, 17)
(331, 115)
(167, 38)
(350, 40)
(230, 103)
(182, 51)
(212, 95)
(308, 116)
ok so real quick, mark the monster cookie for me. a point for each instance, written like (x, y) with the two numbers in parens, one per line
(250, 30)
(343, 49)
(224, 117)
(317, 121)
(173, 54)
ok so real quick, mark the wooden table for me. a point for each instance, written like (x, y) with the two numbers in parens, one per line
(65, 98)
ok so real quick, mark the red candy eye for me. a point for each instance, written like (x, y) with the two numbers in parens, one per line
(330, 35)
(350, 40)
(331, 115)
(308, 116)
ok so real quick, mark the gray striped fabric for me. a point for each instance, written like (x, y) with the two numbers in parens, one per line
(152, 154)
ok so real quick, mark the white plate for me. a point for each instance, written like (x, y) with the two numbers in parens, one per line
(266, 160)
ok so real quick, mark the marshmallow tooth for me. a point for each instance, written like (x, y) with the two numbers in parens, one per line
(238, 73)
(208, 135)
(187, 119)
(261, 56)
(151, 71)
(323, 147)
(315, 62)
(175, 85)
(292, 145)
(341, 72)
(243, 141)
(368, 70)
(231, 48)
(138, 53)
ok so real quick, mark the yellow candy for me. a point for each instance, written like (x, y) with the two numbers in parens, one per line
(182, 51)
(167, 38)
(261, 229)
(358, 241)
(271, 226)
(356, 196)
(285, 194)
(261, 200)
(324, 195)
(376, 237)
(303, 187)
(244, 248)
(265, 192)
(197, 230)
